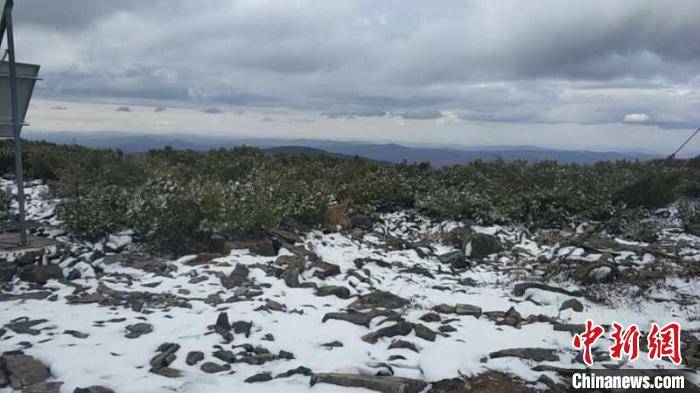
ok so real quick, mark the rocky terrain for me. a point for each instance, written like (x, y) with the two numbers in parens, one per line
(394, 303)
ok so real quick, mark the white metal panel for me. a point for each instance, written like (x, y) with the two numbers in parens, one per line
(27, 75)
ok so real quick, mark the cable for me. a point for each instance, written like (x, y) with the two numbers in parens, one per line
(673, 155)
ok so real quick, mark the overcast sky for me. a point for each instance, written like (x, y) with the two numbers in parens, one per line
(575, 74)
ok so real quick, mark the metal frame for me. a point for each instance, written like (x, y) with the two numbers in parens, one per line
(6, 29)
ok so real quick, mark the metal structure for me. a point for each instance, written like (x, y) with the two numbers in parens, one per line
(672, 156)
(16, 87)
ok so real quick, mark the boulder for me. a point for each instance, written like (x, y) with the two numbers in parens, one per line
(138, 329)
(383, 384)
(211, 367)
(573, 304)
(40, 274)
(468, 309)
(24, 370)
(424, 332)
(454, 258)
(379, 299)
(290, 276)
(194, 357)
(328, 290)
(238, 276)
(481, 245)
(362, 221)
(326, 269)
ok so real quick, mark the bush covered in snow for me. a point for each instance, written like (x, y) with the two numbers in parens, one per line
(181, 200)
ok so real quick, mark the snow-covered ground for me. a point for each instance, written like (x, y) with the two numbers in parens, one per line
(402, 256)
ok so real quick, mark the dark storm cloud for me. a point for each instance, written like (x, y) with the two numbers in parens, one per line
(588, 62)
(72, 14)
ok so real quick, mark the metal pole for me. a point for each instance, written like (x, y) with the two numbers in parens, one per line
(16, 122)
(2, 19)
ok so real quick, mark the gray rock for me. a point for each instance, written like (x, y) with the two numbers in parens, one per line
(376, 383)
(197, 279)
(165, 357)
(326, 269)
(34, 295)
(454, 258)
(573, 304)
(222, 321)
(24, 371)
(362, 221)
(291, 277)
(424, 332)
(40, 274)
(403, 344)
(44, 387)
(284, 236)
(301, 370)
(399, 329)
(481, 245)
(332, 344)
(24, 325)
(379, 299)
(258, 359)
(194, 357)
(225, 355)
(468, 309)
(535, 354)
(261, 377)
(138, 329)
(76, 334)
(336, 290)
(167, 372)
(93, 389)
(238, 276)
(211, 367)
(242, 327)
(358, 318)
(430, 317)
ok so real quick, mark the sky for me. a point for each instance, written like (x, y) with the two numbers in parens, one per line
(600, 75)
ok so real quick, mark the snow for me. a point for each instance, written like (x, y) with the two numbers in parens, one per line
(107, 358)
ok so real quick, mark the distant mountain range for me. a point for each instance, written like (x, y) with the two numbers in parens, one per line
(382, 153)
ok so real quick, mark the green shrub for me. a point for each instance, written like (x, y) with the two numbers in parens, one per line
(184, 200)
(653, 189)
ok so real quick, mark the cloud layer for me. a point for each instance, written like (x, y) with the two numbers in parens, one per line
(587, 62)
